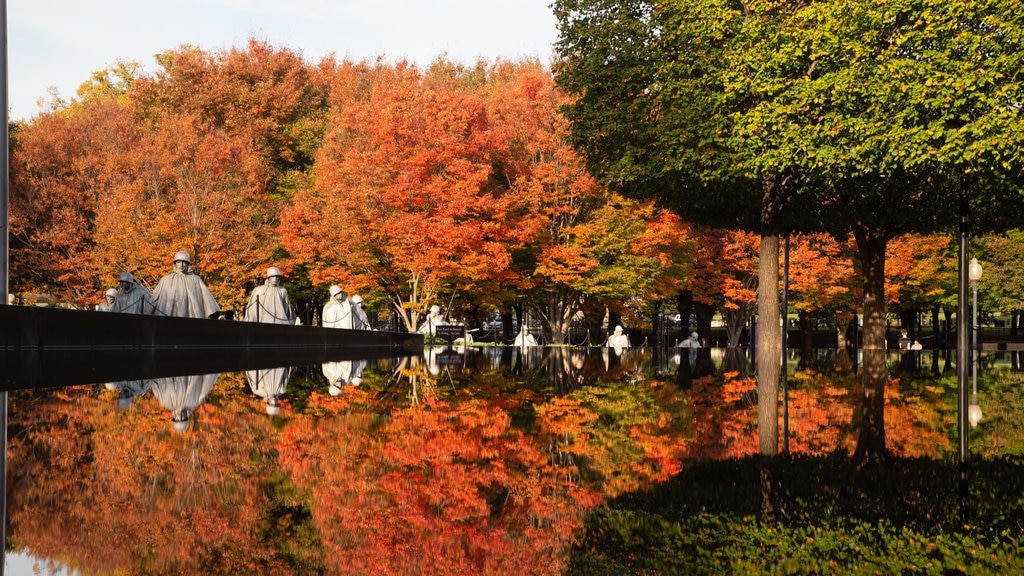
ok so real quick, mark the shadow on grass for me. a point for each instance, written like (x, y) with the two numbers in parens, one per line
(901, 518)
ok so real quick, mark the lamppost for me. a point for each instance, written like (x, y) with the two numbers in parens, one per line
(974, 413)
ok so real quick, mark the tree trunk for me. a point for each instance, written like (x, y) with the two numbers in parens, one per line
(871, 443)
(769, 346)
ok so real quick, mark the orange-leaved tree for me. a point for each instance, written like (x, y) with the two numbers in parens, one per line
(404, 201)
(198, 189)
(62, 165)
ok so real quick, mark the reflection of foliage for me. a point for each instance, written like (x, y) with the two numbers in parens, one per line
(1001, 430)
(437, 487)
(475, 469)
(820, 413)
(621, 438)
(118, 490)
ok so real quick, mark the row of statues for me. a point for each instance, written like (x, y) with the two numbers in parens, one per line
(183, 293)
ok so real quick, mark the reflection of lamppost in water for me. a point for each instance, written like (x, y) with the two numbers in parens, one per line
(974, 412)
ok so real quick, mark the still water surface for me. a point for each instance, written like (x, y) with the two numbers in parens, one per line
(475, 461)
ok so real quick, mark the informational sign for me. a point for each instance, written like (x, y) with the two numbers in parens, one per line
(450, 332)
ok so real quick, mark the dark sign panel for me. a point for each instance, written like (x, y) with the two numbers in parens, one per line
(450, 332)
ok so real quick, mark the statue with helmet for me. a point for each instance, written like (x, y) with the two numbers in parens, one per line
(132, 298)
(359, 319)
(337, 312)
(183, 293)
(269, 301)
(108, 301)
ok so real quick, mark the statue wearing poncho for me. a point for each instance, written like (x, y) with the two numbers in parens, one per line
(182, 293)
(269, 301)
(338, 310)
(132, 298)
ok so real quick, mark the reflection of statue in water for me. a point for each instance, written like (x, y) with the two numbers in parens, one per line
(183, 293)
(128, 390)
(434, 319)
(359, 319)
(618, 339)
(269, 384)
(338, 310)
(132, 298)
(182, 395)
(340, 373)
(269, 301)
(108, 302)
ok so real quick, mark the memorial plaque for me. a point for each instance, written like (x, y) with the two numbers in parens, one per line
(450, 332)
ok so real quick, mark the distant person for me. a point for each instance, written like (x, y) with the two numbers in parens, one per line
(904, 341)
(269, 301)
(12, 299)
(916, 345)
(338, 310)
(359, 319)
(183, 293)
(132, 298)
(108, 302)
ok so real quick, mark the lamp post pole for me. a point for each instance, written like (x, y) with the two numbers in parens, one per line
(963, 326)
(975, 408)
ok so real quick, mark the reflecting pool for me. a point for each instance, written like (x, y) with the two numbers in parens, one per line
(476, 460)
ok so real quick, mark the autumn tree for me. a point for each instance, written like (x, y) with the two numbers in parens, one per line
(1002, 281)
(579, 242)
(63, 164)
(403, 201)
(823, 282)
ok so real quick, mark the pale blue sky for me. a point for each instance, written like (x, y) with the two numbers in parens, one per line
(59, 43)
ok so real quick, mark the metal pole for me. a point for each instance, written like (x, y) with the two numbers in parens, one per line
(962, 358)
(974, 343)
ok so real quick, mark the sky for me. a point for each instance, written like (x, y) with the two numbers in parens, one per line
(60, 43)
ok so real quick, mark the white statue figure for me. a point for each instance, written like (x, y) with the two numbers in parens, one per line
(269, 384)
(338, 310)
(693, 341)
(524, 338)
(434, 319)
(128, 390)
(183, 293)
(359, 319)
(269, 301)
(182, 395)
(618, 339)
(132, 298)
(108, 302)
